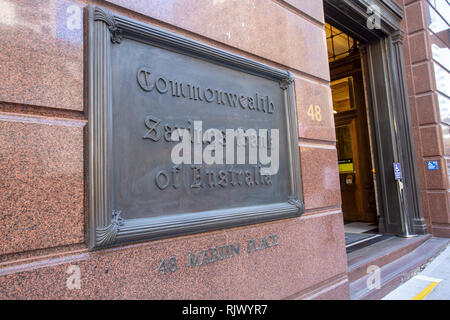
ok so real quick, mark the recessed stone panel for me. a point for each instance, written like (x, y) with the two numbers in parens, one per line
(42, 183)
(41, 57)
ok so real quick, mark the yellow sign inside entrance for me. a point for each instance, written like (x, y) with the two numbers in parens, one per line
(345, 167)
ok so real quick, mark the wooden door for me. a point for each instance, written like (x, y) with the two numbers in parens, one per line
(352, 142)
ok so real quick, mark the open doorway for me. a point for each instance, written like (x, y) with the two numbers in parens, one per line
(355, 155)
(368, 75)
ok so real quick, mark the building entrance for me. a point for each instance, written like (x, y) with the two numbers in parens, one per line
(378, 170)
(356, 170)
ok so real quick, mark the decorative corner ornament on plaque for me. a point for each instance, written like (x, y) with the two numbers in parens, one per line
(107, 16)
(286, 82)
(296, 202)
(106, 236)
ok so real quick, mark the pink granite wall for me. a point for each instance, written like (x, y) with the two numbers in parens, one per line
(426, 45)
(43, 205)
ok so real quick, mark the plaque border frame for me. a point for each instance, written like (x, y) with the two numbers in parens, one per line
(106, 226)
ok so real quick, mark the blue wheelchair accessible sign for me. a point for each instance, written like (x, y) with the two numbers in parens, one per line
(397, 171)
(432, 165)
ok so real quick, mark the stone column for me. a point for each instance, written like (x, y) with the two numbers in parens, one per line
(406, 150)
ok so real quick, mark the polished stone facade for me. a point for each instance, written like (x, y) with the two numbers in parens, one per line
(43, 156)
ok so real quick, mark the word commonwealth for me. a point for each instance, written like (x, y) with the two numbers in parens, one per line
(147, 81)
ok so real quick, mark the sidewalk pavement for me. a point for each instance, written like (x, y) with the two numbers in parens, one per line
(432, 283)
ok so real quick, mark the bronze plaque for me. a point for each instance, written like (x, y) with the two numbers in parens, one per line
(184, 137)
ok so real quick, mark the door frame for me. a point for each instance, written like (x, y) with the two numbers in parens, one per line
(389, 119)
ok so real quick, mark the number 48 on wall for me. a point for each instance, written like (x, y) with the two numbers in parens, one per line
(314, 112)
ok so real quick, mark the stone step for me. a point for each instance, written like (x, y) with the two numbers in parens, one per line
(380, 254)
(394, 273)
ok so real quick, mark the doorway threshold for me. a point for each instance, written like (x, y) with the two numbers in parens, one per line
(360, 234)
(358, 241)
